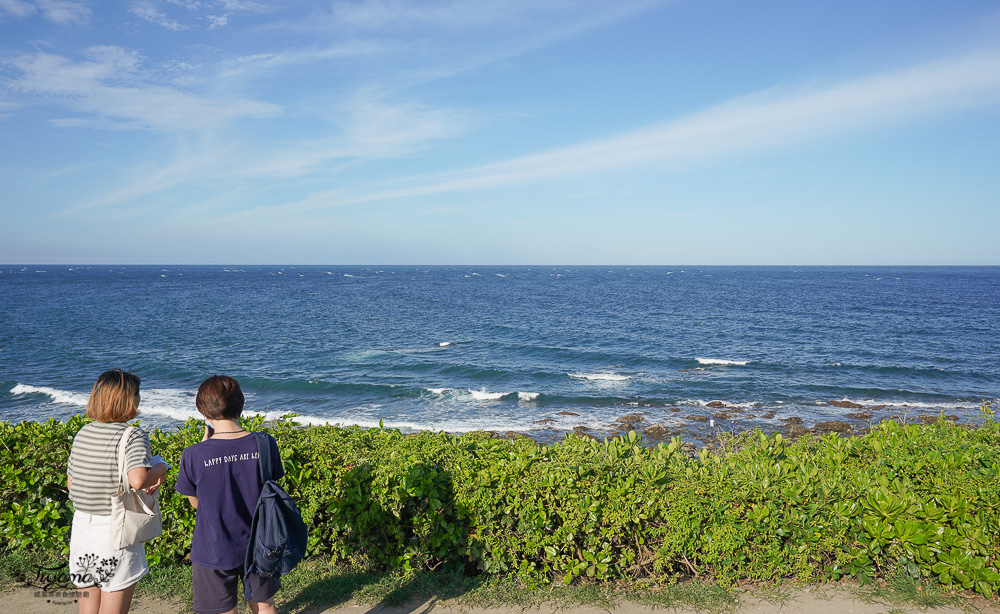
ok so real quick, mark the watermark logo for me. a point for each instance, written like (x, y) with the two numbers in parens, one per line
(91, 569)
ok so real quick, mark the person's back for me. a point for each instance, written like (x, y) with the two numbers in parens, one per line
(221, 478)
(105, 575)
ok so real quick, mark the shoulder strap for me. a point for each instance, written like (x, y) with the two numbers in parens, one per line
(122, 444)
(263, 457)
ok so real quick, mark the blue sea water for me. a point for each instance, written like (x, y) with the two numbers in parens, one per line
(540, 350)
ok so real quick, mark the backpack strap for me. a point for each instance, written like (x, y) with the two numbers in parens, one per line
(263, 457)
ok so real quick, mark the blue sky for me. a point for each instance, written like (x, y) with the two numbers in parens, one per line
(514, 132)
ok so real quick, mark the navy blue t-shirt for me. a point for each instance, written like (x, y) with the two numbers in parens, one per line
(223, 474)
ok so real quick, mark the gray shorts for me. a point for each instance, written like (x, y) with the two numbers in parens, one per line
(219, 590)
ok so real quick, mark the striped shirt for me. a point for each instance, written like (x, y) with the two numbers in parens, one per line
(93, 464)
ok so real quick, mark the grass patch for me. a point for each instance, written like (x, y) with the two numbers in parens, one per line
(695, 595)
(901, 589)
(168, 583)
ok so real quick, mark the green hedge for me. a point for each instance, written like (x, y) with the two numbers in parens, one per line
(925, 499)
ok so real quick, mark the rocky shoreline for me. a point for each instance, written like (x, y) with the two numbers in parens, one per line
(705, 428)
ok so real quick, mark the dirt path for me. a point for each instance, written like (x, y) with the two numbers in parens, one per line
(816, 601)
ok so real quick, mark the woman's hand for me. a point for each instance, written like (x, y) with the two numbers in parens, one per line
(152, 489)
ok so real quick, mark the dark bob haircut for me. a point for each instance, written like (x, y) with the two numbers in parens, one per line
(220, 398)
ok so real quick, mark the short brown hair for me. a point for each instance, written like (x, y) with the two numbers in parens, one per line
(113, 398)
(220, 398)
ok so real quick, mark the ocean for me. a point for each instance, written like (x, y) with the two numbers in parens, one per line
(539, 350)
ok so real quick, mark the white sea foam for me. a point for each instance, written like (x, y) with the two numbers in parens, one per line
(527, 396)
(904, 405)
(720, 361)
(483, 395)
(65, 397)
(441, 390)
(444, 344)
(605, 377)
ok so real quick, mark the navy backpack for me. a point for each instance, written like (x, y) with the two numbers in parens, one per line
(277, 534)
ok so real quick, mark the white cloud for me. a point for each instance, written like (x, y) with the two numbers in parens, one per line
(62, 12)
(217, 21)
(7, 109)
(765, 120)
(17, 8)
(65, 12)
(145, 9)
(246, 7)
(464, 14)
(112, 88)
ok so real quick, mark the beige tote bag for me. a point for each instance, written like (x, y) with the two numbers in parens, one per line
(135, 515)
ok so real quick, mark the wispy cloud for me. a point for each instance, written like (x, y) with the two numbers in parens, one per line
(62, 12)
(112, 88)
(7, 109)
(366, 129)
(433, 40)
(775, 118)
(148, 10)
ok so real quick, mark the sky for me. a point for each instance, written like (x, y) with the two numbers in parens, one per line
(514, 132)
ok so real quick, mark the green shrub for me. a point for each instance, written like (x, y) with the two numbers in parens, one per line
(923, 499)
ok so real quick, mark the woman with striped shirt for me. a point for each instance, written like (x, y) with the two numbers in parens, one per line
(106, 578)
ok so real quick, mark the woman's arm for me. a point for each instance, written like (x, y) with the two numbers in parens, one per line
(148, 478)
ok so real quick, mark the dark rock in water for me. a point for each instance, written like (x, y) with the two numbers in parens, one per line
(717, 404)
(581, 428)
(722, 415)
(656, 431)
(566, 413)
(631, 418)
(792, 420)
(846, 404)
(675, 409)
(688, 448)
(877, 408)
(952, 417)
(858, 416)
(928, 419)
(836, 426)
(766, 416)
(544, 421)
(748, 416)
(796, 430)
(698, 418)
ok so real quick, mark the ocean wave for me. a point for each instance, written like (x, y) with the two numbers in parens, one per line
(720, 361)
(897, 404)
(65, 397)
(444, 344)
(603, 377)
(483, 395)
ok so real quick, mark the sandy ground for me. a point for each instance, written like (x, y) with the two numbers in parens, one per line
(833, 601)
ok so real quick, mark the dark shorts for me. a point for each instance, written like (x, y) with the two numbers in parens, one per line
(217, 591)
